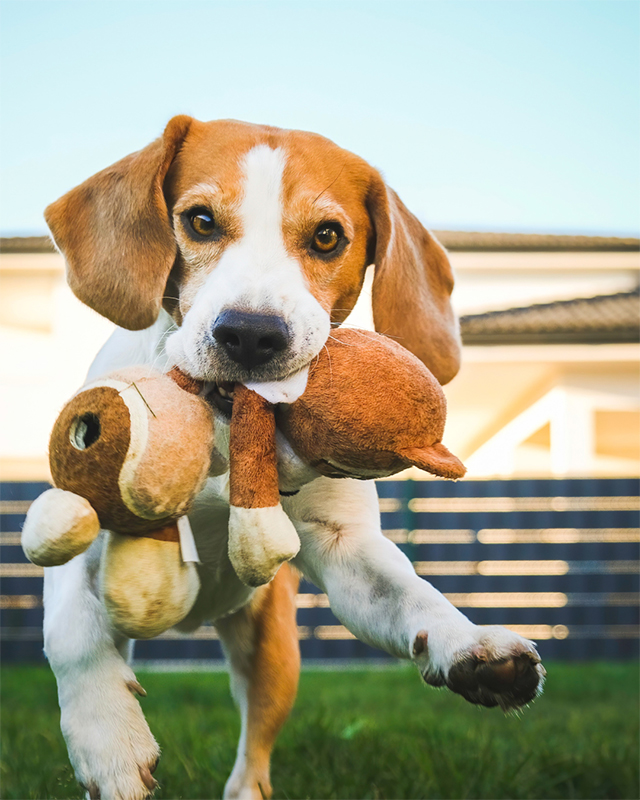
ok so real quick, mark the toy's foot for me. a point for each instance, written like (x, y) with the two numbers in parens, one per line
(496, 668)
(260, 541)
(110, 745)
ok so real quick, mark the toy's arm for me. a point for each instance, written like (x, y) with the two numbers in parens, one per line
(261, 536)
(59, 526)
(184, 381)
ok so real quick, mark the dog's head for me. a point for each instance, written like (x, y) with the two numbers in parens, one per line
(256, 241)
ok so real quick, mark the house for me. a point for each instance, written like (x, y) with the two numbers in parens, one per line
(550, 378)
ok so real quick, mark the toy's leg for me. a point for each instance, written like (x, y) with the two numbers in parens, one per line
(110, 745)
(374, 590)
(261, 643)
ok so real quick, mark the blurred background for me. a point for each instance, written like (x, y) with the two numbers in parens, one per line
(512, 130)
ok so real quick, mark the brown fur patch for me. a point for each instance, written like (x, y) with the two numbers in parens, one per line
(273, 670)
(115, 233)
(323, 182)
(412, 285)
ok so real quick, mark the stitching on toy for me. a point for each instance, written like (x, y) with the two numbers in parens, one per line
(135, 386)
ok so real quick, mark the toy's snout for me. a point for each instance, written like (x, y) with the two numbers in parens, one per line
(437, 460)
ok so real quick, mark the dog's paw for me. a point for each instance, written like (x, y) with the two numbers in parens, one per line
(111, 748)
(246, 788)
(493, 667)
(248, 781)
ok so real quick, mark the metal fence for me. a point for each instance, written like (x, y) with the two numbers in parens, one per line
(555, 560)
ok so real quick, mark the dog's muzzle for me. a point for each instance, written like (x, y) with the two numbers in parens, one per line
(251, 340)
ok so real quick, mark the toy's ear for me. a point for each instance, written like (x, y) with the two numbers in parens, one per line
(116, 236)
(437, 460)
(412, 284)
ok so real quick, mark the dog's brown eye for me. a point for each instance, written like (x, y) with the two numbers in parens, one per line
(201, 221)
(326, 238)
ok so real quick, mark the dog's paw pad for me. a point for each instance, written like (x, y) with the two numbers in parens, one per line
(509, 682)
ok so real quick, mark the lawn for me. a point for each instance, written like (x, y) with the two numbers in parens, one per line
(358, 734)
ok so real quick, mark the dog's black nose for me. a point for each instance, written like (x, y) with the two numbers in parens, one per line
(250, 339)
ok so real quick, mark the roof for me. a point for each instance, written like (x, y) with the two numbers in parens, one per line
(534, 242)
(456, 241)
(26, 244)
(613, 318)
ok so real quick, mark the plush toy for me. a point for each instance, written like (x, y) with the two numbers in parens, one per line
(370, 409)
(128, 454)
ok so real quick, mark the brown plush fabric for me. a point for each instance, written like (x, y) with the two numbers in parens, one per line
(177, 456)
(179, 430)
(253, 476)
(93, 472)
(184, 381)
(168, 533)
(435, 459)
(370, 409)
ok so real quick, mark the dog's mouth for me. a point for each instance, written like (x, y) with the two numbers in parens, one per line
(284, 390)
(221, 395)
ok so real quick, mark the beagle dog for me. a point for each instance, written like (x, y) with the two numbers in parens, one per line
(231, 250)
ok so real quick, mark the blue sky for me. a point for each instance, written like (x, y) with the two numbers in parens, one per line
(483, 115)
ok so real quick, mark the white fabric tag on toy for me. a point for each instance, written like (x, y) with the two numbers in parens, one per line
(188, 547)
(287, 390)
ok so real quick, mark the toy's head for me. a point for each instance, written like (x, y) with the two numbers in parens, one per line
(137, 447)
(129, 453)
(370, 409)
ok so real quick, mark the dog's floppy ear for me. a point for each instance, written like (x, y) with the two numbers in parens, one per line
(115, 233)
(412, 284)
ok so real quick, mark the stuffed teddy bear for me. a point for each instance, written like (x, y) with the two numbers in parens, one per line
(128, 454)
(369, 409)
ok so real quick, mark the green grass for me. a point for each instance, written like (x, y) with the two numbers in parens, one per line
(365, 734)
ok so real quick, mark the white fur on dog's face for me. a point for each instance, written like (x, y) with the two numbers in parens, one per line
(250, 272)
(288, 223)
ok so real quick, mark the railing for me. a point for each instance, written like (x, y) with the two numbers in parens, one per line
(555, 560)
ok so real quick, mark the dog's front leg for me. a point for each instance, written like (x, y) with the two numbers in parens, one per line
(374, 590)
(110, 745)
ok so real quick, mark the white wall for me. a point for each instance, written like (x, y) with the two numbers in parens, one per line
(48, 339)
